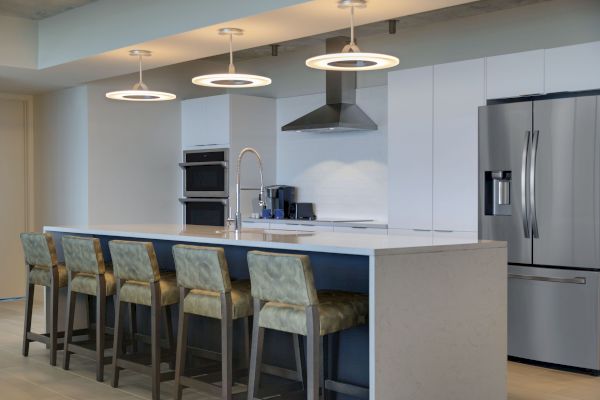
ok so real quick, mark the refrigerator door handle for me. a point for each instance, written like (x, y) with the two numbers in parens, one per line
(534, 147)
(524, 208)
(577, 280)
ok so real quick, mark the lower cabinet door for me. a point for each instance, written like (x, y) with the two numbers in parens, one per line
(553, 316)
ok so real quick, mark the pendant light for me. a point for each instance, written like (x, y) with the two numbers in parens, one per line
(140, 91)
(351, 58)
(231, 79)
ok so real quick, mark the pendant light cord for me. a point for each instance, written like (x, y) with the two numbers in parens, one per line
(140, 68)
(351, 47)
(352, 25)
(231, 66)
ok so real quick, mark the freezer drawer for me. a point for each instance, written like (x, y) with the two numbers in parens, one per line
(553, 316)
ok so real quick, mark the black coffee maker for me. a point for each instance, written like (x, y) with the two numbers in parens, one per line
(280, 197)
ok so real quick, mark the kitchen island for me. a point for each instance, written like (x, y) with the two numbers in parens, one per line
(437, 322)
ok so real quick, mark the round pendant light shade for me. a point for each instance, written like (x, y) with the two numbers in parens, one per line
(231, 79)
(140, 91)
(351, 58)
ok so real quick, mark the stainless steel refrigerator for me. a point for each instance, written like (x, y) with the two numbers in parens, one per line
(539, 190)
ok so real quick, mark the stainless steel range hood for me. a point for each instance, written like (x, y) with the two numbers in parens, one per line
(340, 114)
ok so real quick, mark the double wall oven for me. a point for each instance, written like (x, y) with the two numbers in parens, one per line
(205, 186)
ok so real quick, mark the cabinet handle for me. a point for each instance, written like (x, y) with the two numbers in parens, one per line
(358, 227)
(443, 230)
(577, 280)
(421, 230)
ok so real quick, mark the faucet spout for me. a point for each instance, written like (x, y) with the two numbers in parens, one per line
(261, 203)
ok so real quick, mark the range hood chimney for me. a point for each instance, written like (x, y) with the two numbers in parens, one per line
(340, 114)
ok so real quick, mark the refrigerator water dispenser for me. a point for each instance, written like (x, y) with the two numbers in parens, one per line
(497, 193)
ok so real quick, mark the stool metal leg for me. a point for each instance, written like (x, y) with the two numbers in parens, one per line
(132, 329)
(181, 344)
(118, 335)
(100, 325)
(155, 338)
(246, 344)
(298, 358)
(170, 338)
(54, 316)
(322, 369)
(226, 346)
(70, 315)
(313, 357)
(258, 335)
(30, 289)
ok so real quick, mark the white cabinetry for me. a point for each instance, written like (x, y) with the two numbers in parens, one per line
(459, 89)
(573, 68)
(234, 121)
(410, 141)
(513, 75)
(205, 121)
(432, 146)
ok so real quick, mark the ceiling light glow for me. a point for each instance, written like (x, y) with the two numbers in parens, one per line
(231, 79)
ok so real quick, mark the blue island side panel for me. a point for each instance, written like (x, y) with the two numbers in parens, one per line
(331, 271)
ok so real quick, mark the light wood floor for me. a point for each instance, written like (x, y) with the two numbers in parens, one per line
(32, 378)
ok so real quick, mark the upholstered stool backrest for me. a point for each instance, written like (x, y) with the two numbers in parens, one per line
(83, 254)
(282, 278)
(201, 267)
(39, 249)
(134, 260)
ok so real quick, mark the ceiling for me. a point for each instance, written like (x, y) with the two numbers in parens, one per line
(377, 28)
(38, 9)
(306, 23)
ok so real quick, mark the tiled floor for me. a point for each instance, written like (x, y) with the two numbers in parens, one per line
(32, 378)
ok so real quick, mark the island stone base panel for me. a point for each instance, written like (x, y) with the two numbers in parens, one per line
(439, 325)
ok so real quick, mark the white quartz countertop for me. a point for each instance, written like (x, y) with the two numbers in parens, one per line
(362, 223)
(327, 242)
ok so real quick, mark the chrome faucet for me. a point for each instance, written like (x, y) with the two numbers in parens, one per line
(261, 203)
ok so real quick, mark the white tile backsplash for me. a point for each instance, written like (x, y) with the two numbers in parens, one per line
(343, 174)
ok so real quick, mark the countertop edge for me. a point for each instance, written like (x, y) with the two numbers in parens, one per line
(279, 245)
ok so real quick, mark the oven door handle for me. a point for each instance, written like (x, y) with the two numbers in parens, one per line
(203, 164)
(193, 200)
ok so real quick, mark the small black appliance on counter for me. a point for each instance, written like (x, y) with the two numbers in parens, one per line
(302, 211)
(280, 197)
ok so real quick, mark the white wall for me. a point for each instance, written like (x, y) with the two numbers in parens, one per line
(60, 157)
(18, 41)
(134, 151)
(344, 174)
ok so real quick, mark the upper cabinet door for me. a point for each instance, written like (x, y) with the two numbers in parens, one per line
(205, 121)
(410, 128)
(513, 75)
(458, 92)
(573, 68)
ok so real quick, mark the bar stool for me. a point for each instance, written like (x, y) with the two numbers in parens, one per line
(87, 275)
(285, 299)
(206, 290)
(139, 281)
(42, 269)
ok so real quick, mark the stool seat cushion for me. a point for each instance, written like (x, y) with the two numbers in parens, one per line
(41, 276)
(337, 311)
(208, 304)
(88, 284)
(137, 292)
